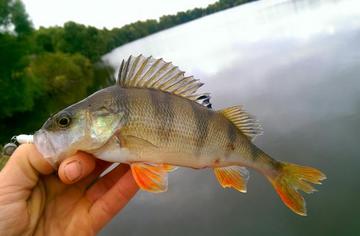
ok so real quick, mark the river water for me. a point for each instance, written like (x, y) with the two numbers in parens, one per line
(296, 66)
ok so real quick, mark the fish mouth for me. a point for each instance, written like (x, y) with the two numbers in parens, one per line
(46, 148)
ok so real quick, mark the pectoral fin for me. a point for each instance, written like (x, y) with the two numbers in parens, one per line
(133, 142)
(150, 177)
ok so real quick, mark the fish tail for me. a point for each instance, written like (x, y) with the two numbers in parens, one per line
(290, 178)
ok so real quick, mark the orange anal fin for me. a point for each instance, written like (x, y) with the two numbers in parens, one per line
(232, 176)
(150, 177)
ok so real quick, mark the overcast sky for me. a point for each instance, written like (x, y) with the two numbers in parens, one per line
(105, 13)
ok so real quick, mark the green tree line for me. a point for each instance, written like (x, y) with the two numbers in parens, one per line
(44, 70)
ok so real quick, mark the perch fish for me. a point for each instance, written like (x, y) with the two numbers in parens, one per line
(154, 120)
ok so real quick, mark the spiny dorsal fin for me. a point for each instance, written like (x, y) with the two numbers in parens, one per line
(245, 122)
(148, 72)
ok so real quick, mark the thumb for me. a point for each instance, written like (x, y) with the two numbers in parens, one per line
(24, 167)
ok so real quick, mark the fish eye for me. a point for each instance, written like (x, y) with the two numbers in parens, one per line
(64, 120)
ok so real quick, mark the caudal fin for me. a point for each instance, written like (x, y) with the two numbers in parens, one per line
(290, 179)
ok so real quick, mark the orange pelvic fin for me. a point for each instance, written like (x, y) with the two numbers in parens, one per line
(150, 177)
(232, 176)
(292, 178)
(169, 168)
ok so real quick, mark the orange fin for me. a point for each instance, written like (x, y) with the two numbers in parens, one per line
(169, 168)
(292, 178)
(150, 177)
(232, 176)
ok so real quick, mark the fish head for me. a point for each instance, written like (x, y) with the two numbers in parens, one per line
(84, 126)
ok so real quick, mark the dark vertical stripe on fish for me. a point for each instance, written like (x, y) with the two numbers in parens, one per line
(231, 138)
(164, 112)
(202, 126)
(124, 103)
(254, 151)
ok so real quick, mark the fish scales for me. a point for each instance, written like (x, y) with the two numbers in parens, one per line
(177, 125)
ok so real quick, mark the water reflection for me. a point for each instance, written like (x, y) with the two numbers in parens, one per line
(294, 64)
(234, 35)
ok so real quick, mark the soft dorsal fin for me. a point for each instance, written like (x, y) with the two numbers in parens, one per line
(148, 72)
(245, 122)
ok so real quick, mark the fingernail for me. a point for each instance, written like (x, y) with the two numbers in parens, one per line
(73, 170)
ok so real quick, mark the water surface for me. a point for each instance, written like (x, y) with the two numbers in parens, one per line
(296, 66)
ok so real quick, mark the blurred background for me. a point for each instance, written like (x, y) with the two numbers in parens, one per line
(295, 64)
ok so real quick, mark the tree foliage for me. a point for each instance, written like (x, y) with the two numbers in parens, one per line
(61, 78)
(13, 18)
(15, 30)
(93, 43)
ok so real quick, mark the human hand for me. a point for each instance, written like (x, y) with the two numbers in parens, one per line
(35, 201)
